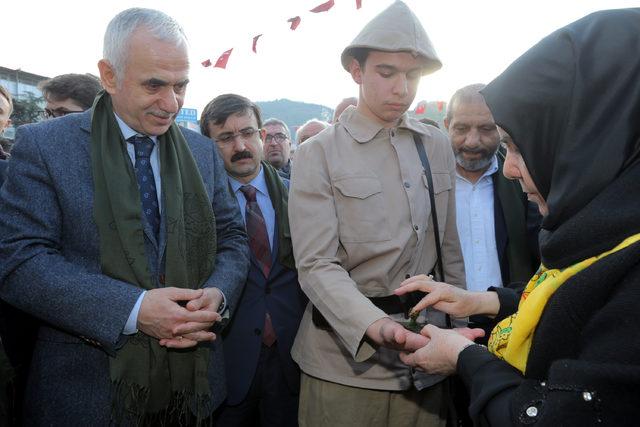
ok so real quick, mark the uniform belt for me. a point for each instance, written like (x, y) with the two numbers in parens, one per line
(391, 304)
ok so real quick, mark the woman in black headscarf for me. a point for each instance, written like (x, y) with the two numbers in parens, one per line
(567, 351)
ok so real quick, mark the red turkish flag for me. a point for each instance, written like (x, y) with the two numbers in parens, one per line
(295, 21)
(420, 109)
(358, 4)
(440, 105)
(323, 7)
(224, 58)
(255, 42)
(206, 63)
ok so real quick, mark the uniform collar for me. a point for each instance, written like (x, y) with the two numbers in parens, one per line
(363, 129)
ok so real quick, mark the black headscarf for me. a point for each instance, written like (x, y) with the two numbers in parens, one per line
(572, 106)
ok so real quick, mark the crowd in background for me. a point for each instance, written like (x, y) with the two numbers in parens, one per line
(390, 272)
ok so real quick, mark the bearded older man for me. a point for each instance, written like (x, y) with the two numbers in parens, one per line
(498, 228)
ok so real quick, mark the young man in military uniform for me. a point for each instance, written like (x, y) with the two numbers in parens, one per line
(361, 224)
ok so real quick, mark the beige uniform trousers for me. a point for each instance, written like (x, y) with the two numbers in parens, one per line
(327, 404)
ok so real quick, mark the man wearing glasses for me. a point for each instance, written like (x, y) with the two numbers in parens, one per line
(262, 378)
(69, 93)
(277, 146)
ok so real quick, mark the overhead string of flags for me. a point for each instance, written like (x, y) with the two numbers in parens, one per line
(294, 22)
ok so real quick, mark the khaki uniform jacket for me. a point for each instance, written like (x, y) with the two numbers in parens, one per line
(360, 223)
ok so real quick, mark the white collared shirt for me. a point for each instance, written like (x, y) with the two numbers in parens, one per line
(127, 132)
(476, 228)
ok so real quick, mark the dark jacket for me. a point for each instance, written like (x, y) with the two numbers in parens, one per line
(584, 364)
(281, 296)
(3, 170)
(50, 269)
(557, 102)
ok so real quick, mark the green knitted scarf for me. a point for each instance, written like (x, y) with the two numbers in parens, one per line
(150, 381)
(279, 196)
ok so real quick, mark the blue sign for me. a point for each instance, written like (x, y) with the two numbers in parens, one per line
(187, 115)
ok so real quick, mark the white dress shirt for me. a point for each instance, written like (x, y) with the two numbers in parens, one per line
(475, 221)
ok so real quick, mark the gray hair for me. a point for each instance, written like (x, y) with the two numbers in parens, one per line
(323, 126)
(117, 37)
(465, 94)
(320, 122)
(274, 121)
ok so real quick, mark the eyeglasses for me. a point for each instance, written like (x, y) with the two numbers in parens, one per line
(58, 112)
(228, 138)
(277, 137)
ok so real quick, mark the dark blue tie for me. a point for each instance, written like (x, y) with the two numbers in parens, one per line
(143, 146)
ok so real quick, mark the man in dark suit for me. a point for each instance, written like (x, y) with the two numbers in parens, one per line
(118, 233)
(497, 226)
(262, 378)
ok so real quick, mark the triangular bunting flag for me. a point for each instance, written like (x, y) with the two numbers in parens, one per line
(358, 4)
(440, 105)
(224, 58)
(206, 63)
(255, 42)
(323, 7)
(295, 21)
(420, 109)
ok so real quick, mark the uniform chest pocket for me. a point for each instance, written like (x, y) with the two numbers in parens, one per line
(441, 182)
(362, 214)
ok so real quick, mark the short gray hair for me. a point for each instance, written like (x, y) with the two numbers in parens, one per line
(324, 125)
(117, 37)
(274, 121)
(465, 94)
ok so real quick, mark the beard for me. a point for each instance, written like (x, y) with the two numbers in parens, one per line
(479, 163)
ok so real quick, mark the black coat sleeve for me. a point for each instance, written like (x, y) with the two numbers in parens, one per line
(599, 385)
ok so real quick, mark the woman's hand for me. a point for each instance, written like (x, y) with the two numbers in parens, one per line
(450, 299)
(440, 355)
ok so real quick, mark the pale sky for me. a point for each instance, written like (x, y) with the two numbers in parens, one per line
(475, 40)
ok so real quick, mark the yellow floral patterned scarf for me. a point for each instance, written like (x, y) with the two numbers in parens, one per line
(511, 339)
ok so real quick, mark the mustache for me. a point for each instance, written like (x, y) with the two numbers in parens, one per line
(478, 150)
(241, 155)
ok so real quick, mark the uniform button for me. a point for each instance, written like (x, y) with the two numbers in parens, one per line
(532, 411)
(588, 397)
(415, 227)
(407, 185)
(257, 331)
